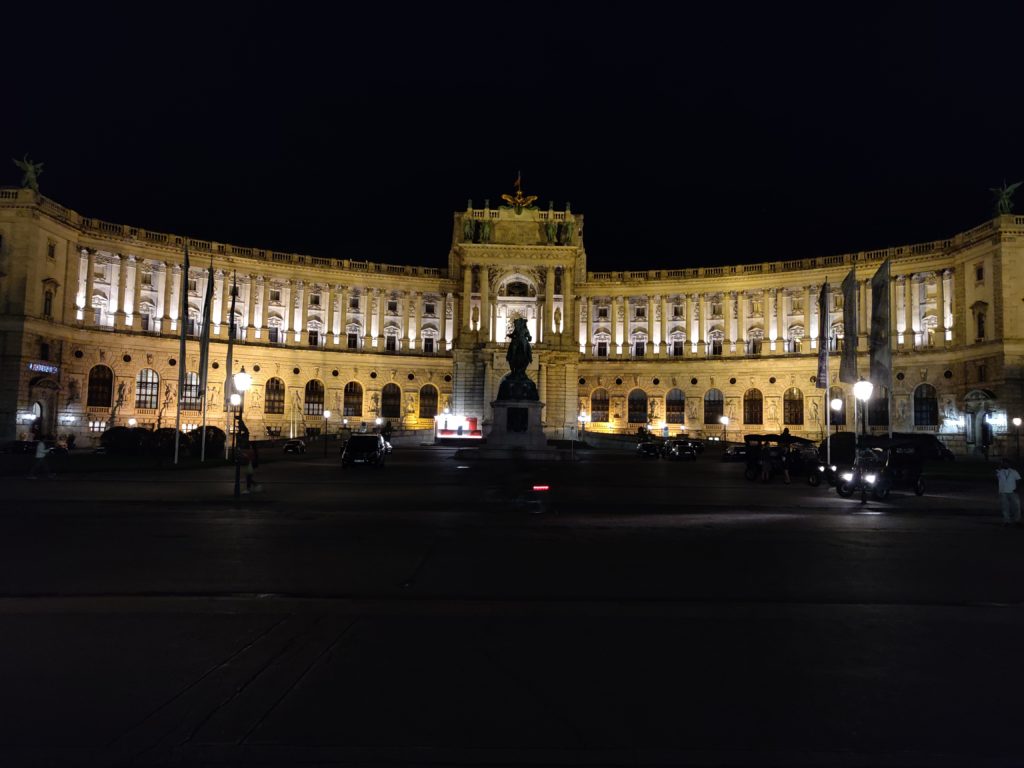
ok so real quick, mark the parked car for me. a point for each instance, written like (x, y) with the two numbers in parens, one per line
(364, 449)
(648, 449)
(736, 452)
(679, 450)
(295, 446)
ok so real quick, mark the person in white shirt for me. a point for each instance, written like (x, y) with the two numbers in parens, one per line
(1009, 501)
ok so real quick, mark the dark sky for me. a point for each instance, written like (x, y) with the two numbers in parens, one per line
(701, 137)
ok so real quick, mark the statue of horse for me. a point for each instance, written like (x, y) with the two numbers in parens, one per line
(519, 355)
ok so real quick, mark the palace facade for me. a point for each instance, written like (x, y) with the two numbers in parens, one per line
(89, 317)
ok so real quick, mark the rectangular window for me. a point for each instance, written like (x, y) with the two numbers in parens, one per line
(314, 339)
(275, 296)
(716, 309)
(392, 305)
(677, 349)
(51, 251)
(193, 285)
(602, 313)
(44, 351)
(982, 373)
(638, 348)
(428, 308)
(97, 426)
(353, 341)
(716, 347)
(428, 345)
(353, 303)
(47, 303)
(145, 321)
(193, 327)
(979, 274)
(640, 313)
(273, 431)
(677, 311)
(602, 349)
(314, 300)
(389, 343)
(147, 279)
(273, 334)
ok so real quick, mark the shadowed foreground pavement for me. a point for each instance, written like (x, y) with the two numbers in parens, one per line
(420, 614)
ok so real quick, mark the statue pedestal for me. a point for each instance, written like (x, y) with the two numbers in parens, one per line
(516, 424)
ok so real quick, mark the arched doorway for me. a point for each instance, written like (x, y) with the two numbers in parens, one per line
(43, 398)
(977, 431)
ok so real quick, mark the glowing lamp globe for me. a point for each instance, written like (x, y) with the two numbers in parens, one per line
(242, 380)
(327, 414)
(837, 404)
(862, 390)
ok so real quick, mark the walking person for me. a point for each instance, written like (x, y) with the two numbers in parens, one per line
(1009, 501)
(252, 457)
(41, 464)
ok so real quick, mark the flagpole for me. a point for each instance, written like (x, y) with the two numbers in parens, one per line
(828, 410)
(204, 353)
(182, 315)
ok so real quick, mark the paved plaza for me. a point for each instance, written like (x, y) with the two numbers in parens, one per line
(438, 611)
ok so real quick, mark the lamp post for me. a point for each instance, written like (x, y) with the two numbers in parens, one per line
(132, 422)
(242, 382)
(378, 421)
(862, 391)
(725, 428)
(1016, 434)
(837, 406)
(327, 415)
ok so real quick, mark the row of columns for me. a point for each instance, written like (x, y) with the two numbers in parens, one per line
(252, 303)
(907, 314)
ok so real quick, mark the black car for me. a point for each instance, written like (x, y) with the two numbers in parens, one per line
(364, 449)
(648, 449)
(684, 450)
(737, 452)
(294, 446)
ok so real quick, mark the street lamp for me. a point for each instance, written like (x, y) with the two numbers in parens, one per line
(134, 422)
(378, 421)
(327, 415)
(242, 382)
(837, 406)
(725, 428)
(862, 391)
(1016, 434)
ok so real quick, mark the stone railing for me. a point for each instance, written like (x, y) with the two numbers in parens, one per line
(106, 229)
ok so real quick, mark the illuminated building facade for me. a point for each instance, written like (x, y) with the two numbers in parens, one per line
(90, 323)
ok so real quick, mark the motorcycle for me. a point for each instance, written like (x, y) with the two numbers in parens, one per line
(819, 472)
(864, 477)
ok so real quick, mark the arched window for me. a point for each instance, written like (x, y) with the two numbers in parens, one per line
(793, 407)
(753, 407)
(675, 407)
(637, 407)
(599, 405)
(878, 408)
(353, 399)
(274, 400)
(190, 397)
(147, 388)
(48, 303)
(101, 387)
(391, 402)
(838, 417)
(428, 401)
(714, 406)
(926, 406)
(314, 402)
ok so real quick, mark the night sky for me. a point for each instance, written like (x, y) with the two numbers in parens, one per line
(703, 137)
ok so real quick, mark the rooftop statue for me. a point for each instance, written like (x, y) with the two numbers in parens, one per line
(520, 201)
(32, 172)
(1004, 195)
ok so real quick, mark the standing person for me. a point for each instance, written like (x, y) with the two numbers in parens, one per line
(766, 463)
(40, 463)
(1009, 501)
(252, 461)
(785, 464)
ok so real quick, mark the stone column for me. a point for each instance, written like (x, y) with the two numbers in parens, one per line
(286, 310)
(382, 302)
(570, 321)
(403, 306)
(902, 293)
(742, 335)
(302, 319)
(810, 330)
(175, 304)
(895, 301)
(263, 287)
(250, 307)
(702, 323)
(90, 288)
(417, 309)
(651, 305)
(446, 301)
(588, 348)
(549, 302)
(131, 302)
(165, 298)
(485, 303)
(947, 303)
(83, 281)
(230, 286)
(327, 298)
(732, 319)
(343, 314)
(663, 344)
(367, 319)
(467, 296)
(122, 279)
(773, 318)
